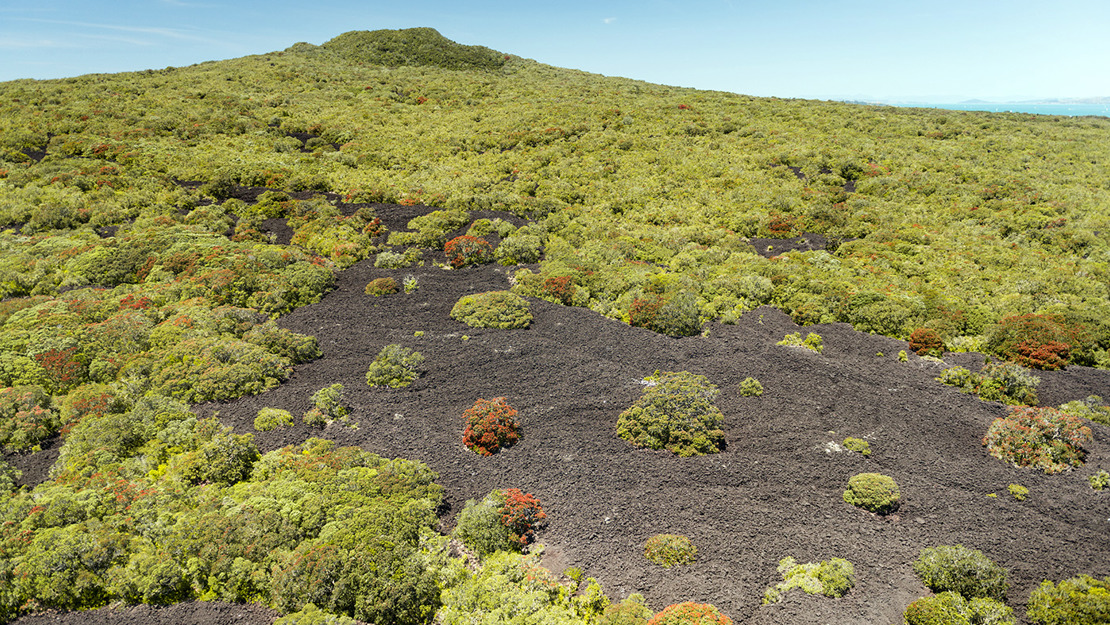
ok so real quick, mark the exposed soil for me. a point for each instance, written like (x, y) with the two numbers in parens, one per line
(774, 492)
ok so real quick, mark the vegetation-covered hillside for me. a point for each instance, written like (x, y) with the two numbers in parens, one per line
(155, 225)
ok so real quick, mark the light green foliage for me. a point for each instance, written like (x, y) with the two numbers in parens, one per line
(411, 284)
(950, 608)
(397, 260)
(395, 367)
(962, 570)
(812, 341)
(630, 611)
(9, 476)
(514, 588)
(1018, 492)
(676, 413)
(327, 406)
(1003, 381)
(27, 416)
(669, 550)
(430, 231)
(857, 445)
(903, 356)
(493, 309)
(1100, 480)
(479, 527)
(272, 418)
(1080, 600)
(519, 248)
(832, 578)
(873, 492)
(751, 387)
(1092, 408)
(312, 615)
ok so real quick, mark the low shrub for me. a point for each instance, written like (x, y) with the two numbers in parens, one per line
(673, 314)
(630, 611)
(1099, 480)
(690, 613)
(812, 341)
(381, 286)
(1018, 492)
(272, 418)
(468, 250)
(926, 342)
(1080, 600)
(519, 248)
(27, 416)
(1035, 341)
(676, 413)
(558, 289)
(397, 260)
(1041, 438)
(1092, 408)
(950, 608)
(312, 615)
(857, 445)
(669, 550)
(873, 492)
(505, 520)
(395, 367)
(327, 406)
(959, 569)
(490, 425)
(493, 309)
(751, 387)
(832, 578)
(1004, 382)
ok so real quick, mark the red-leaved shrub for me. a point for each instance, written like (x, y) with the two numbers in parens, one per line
(1042, 438)
(559, 288)
(467, 250)
(490, 425)
(690, 613)
(522, 514)
(1035, 341)
(926, 342)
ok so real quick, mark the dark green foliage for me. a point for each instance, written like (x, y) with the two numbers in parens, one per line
(296, 348)
(1080, 600)
(962, 570)
(199, 370)
(668, 550)
(676, 413)
(9, 476)
(873, 492)
(675, 314)
(412, 46)
(395, 367)
(950, 608)
(493, 309)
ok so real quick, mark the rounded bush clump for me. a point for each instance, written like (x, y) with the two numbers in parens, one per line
(395, 367)
(874, 492)
(493, 309)
(505, 520)
(676, 413)
(381, 286)
(690, 613)
(1081, 600)
(1041, 438)
(468, 250)
(832, 578)
(926, 342)
(950, 608)
(670, 549)
(962, 570)
(270, 418)
(857, 445)
(490, 425)
(751, 387)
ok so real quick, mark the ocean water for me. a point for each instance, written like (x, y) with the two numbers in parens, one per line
(1076, 109)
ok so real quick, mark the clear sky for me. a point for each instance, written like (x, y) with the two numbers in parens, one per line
(897, 50)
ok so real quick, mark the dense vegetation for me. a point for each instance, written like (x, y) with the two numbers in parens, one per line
(135, 280)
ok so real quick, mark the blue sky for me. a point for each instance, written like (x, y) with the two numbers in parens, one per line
(899, 50)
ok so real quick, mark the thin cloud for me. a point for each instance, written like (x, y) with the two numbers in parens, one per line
(168, 33)
(609, 20)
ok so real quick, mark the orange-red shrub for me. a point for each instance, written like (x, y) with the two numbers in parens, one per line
(559, 288)
(490, 425)
(690, 613)
(1042, 438)
(522, 514)
(467, 250)
(1036, 341)
(926, 342)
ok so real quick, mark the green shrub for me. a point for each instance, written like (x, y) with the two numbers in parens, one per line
(297, 348)
(676, 413)
(327, 406)
(812, 341)
(519, 248)
(381, 286)
(673, 314)
(27, 416)
(670, 549)
(751, 387)
(505, 520)
(630, 611)
(1018, 492)
(1004, 382)
(9, 476)
(1040, 438)
(271, 418)
(1099, 480)
(395, 367)
(312, 615)
(1092, 408)
(493, 309)
(832, 578)
(950, 608)
(873, 492)
(690, 613)
(961, 570)
(857, 445)
(926, 342)
(397, 260)
(1080, 600)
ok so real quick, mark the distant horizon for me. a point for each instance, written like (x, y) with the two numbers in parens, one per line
(952, 51)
